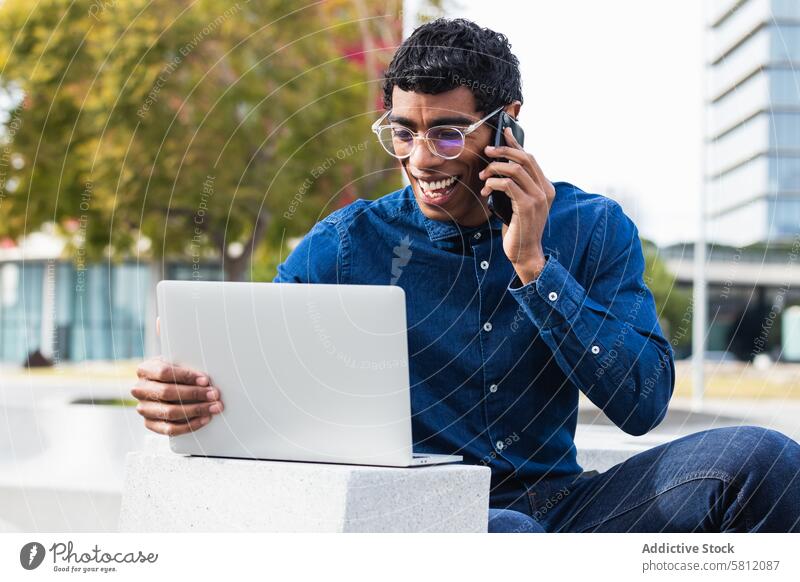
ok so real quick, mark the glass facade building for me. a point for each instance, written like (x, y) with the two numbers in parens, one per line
(753, 121)
(70, 314)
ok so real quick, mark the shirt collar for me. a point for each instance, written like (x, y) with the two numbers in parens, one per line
(441, 230)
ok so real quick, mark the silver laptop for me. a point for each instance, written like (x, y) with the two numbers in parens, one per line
(306, 372)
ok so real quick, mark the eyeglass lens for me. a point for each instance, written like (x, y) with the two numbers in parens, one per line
(447, 142)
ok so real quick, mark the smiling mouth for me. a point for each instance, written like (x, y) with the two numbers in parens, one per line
(438, 191)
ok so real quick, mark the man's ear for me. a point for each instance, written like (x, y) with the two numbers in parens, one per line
(513, 109)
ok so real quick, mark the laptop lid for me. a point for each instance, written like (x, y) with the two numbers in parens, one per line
(307, 372)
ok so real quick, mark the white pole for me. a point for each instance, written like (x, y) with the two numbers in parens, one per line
(700, 295)
(699, 316)
(411, 9)
(410, 15)
(48, 324)
(152, 346)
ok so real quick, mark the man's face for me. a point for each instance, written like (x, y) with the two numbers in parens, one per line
(458, 199)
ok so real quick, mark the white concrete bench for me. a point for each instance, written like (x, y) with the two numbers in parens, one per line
(167, 492)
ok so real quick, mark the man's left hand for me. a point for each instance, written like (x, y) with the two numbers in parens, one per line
(531, 195)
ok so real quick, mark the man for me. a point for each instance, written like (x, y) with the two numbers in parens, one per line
(507, 323)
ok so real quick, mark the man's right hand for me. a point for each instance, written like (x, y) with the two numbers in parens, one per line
(174, 400)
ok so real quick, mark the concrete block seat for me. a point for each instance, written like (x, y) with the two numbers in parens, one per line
(167, 492)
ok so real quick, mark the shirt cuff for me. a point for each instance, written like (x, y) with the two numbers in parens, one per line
(552, 298)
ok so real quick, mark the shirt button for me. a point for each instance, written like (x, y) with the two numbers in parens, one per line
(499, 445)
(552, 296)
(484, 265)
(595, 350)
(477, 235)
(493, 388)
(487, 326)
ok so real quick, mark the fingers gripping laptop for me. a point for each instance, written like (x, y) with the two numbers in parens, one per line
(308, 372)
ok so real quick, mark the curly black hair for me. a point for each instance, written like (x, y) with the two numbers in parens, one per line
(447, 53)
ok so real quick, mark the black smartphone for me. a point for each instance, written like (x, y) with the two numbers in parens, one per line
(499, 202)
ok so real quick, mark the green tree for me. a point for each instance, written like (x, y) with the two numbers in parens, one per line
(673, 304)
(205, 128)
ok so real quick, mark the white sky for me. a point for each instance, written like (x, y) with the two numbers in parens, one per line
(613, 95)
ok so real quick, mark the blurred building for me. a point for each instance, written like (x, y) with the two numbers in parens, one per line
(752, 181)
(753, 121)
(69, 312)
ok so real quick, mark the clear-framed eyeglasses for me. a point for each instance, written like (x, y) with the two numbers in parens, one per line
(445, 141)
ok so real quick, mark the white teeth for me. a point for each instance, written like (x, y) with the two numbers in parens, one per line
(438, 185)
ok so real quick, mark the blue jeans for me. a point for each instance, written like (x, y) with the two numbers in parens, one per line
(737, 479)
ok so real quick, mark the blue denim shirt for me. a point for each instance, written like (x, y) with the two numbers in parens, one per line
(495, 366)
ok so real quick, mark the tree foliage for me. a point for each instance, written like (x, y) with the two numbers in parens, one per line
(197, 126)
(673, 304)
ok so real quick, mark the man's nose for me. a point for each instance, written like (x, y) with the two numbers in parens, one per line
(423, 157)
